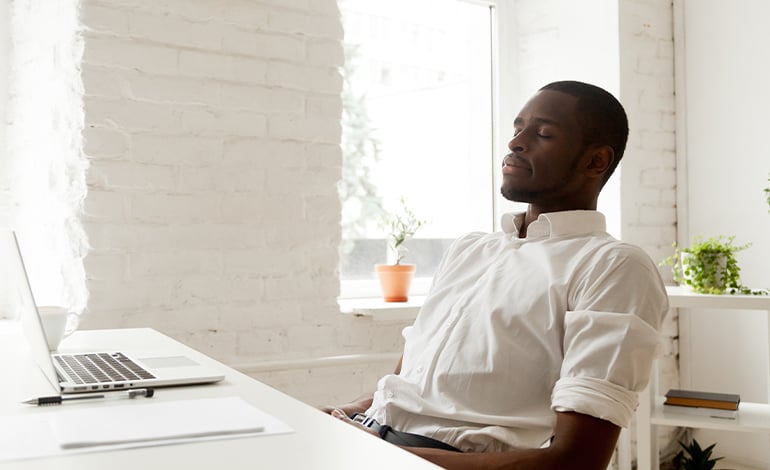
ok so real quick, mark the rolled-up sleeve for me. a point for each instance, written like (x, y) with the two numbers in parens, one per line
(611, 339)
(606, 363)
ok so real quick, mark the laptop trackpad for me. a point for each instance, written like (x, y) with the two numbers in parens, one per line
(171, 361)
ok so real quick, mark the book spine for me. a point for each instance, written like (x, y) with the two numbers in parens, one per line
(721, 405)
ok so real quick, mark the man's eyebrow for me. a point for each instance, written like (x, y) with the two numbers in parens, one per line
(540, 120)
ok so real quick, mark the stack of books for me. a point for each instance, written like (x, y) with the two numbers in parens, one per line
(715, 405)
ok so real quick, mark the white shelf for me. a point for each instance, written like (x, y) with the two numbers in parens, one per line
(678, 297)
(752, 417)
(682, 297)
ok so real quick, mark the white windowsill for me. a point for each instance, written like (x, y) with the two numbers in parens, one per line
(679, 297)
(380, 310)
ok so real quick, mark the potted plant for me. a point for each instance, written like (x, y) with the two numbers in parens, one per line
(695, 458)
(708, 266)
(396, 278)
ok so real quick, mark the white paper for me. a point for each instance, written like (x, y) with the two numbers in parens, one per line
(147, 422)
(23, 437)
(61, 431)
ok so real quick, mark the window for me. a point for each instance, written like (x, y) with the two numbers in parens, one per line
(418, 124)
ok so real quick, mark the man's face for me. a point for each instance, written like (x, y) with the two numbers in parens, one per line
(545, 149)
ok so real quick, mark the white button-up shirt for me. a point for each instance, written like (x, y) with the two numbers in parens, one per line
(565, 319)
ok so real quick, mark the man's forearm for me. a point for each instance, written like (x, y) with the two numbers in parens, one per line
(359, 405)
(580, 442)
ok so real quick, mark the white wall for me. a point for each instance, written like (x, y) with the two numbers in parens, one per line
(726, 98)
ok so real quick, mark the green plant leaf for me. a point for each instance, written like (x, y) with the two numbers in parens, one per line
(402, 225)
(693, 457)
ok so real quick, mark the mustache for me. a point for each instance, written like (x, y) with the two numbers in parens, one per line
(513, 159)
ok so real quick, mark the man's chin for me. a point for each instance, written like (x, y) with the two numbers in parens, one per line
(516, 195)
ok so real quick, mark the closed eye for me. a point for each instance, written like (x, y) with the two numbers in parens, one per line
(545, 133)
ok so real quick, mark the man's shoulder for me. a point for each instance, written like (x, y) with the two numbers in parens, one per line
(608, 253)
(618, 248)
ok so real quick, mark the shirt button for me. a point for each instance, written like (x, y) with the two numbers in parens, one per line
(390, 394)
(420, 369)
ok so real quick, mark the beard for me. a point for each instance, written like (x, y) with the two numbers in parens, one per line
(543, 192)
(518, 195)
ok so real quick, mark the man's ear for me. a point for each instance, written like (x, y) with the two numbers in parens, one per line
(601, 158)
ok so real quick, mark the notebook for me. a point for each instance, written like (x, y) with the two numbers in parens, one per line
(102, 370)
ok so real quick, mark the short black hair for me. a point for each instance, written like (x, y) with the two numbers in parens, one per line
(601, 116)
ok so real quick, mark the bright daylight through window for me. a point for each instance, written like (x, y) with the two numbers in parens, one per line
(417, 124)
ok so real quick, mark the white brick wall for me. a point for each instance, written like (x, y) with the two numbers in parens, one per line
(648, 172)
(212, 213)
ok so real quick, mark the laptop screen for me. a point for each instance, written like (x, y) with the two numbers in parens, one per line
(18, 297)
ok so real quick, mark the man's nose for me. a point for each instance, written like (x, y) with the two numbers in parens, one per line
(516, 143)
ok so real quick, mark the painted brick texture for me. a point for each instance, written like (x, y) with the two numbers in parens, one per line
(648, 175)
(212, 129)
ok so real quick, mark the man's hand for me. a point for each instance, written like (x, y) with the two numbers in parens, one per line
(339, 414)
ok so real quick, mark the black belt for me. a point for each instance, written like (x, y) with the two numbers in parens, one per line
(400, 438)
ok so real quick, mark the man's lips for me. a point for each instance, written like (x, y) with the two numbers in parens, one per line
(512, 161)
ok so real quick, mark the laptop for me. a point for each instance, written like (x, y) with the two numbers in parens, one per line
(96, 371)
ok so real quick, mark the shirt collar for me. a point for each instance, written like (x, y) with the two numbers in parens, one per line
(555, 224)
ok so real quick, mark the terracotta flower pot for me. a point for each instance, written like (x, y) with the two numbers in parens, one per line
(395, 280)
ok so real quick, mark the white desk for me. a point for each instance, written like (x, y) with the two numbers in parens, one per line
(318, 441)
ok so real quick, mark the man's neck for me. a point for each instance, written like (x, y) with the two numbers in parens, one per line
(530, 216)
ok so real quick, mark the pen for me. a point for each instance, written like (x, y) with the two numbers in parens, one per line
(58, 399)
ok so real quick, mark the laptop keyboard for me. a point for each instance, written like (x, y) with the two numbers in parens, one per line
(101, 368)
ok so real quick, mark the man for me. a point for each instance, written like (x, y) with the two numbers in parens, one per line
(533, 343)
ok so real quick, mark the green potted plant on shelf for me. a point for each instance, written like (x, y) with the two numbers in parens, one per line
(708, 266)
(395, 278)
(693, 457)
